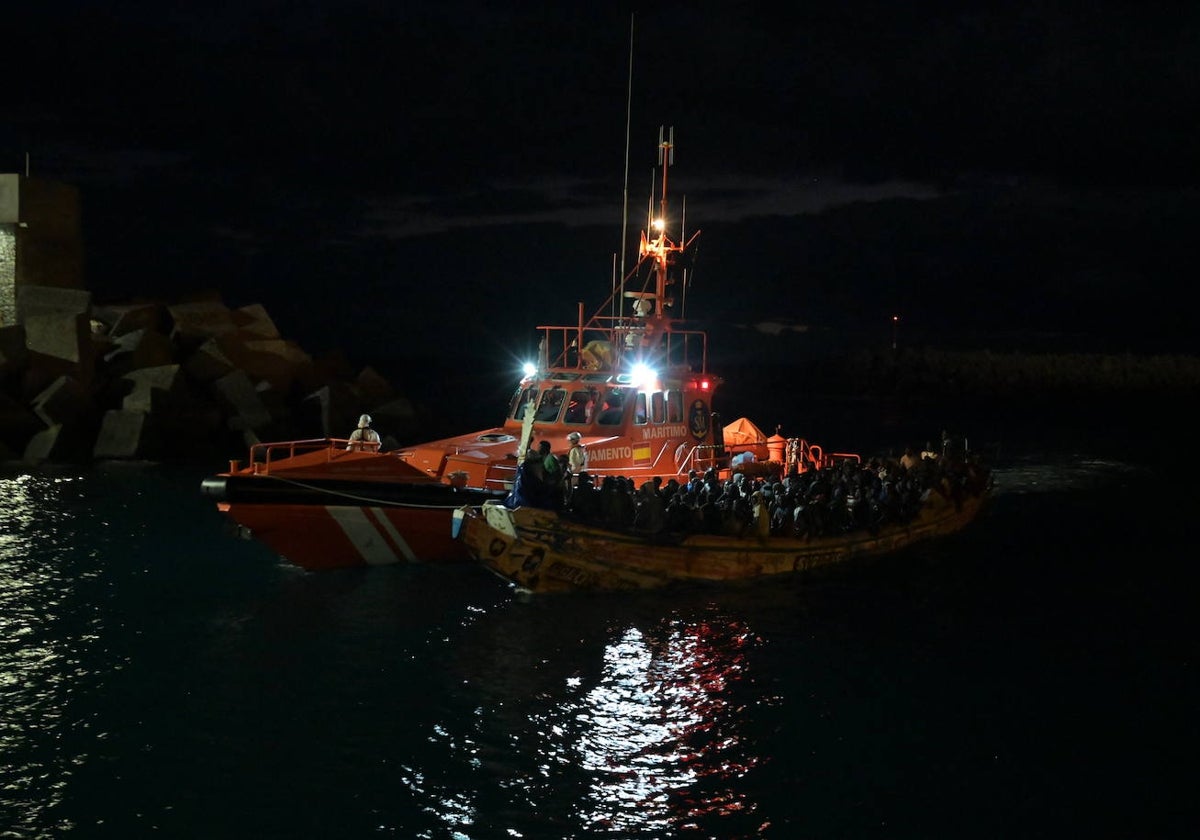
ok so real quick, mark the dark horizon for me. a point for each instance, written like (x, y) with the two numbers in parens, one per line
(387, 180)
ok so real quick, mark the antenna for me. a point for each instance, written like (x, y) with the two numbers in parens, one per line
(683, 238)
(669, 145)
(625, 196)
(650, 205)
(669, 148)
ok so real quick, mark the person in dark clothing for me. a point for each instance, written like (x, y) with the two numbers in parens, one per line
(552, 477)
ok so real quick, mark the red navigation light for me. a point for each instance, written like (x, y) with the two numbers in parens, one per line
(703, 384)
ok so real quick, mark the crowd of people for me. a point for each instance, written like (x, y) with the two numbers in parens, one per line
(849, 496)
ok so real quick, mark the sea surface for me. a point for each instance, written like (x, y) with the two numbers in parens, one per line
(1035, 676)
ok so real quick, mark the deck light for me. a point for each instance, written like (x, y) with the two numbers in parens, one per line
(642, 374)
(529, 369)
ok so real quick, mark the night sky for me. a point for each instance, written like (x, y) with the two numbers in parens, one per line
(389, 178)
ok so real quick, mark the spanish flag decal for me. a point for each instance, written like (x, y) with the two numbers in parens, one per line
(642, 454)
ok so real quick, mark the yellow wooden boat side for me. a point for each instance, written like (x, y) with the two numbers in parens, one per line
(542, 551)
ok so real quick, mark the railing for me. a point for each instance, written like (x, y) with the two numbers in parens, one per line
(622, 340)
(706, 456)
(262, 454)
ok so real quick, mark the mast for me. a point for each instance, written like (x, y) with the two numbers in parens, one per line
(619, 299)
(661, 248)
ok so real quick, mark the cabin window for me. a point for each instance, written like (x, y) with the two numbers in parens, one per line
(639, 410)
(658, 407)
(581, 408)
(612, 410)
(674, 406)
(521, 399)
(551, 404)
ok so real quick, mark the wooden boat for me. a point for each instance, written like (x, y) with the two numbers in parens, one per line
(546, 551)
(632, 381)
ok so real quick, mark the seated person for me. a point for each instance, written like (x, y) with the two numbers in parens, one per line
(364, 438)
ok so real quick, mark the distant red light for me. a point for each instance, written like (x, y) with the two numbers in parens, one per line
(703, 384)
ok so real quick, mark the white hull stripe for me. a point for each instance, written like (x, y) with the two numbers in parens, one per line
(397, 539)
(363, 532)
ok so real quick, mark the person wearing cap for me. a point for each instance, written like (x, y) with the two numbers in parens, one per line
(364, 438)
(577, 456)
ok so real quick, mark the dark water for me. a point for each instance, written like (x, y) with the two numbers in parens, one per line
(1033, 677)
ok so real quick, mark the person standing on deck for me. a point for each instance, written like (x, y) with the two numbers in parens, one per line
(552, 477)
(577, 455)
(364, 438)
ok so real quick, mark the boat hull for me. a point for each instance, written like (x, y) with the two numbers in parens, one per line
(323, 523)
(541, 552)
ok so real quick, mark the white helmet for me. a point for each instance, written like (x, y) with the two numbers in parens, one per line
(364, 421)
(574, 437)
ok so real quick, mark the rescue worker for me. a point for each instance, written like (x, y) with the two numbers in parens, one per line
(576, 456)
(364, 438)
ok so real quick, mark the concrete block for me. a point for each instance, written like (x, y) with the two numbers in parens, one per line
(195, 323)
(60, 443)
(373, 387)
(289, 351)
(271, 360)
(18, 423)
(263, 359)
(327, 369)
(208, 362)
(237, 392)
(64, 401)
(254, 319)
(140, 349)
(397, 418)
(43, 445)
(13, 355)
(64, 337)
(127, 318)
(121, 435)
(153, 388)
(332, 410)
(35, 301)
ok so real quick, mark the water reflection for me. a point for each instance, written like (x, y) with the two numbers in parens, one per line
(630, 726)
(42, 642)
(658, 723)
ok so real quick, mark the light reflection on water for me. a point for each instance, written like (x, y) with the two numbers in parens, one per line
(44, 637)
(658, 720)
(602, 720)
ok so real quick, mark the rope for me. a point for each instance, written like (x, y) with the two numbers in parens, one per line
(366, 499)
